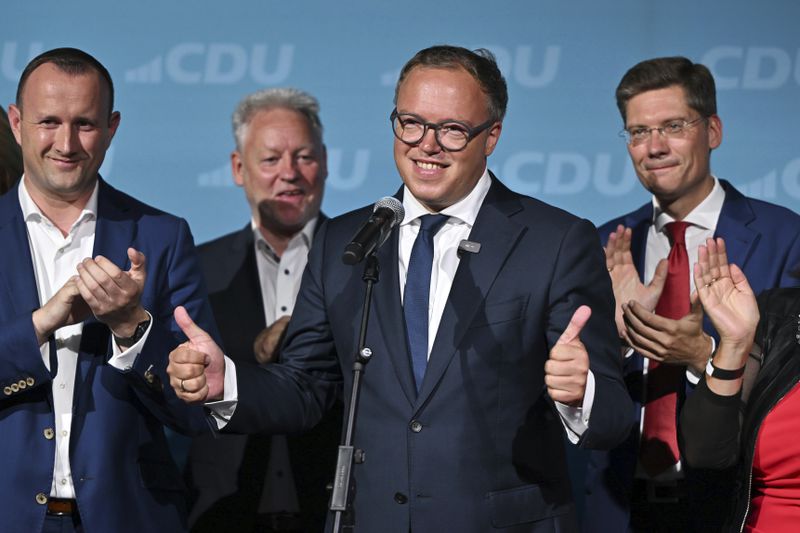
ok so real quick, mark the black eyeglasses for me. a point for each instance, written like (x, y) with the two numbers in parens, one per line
(452, 135)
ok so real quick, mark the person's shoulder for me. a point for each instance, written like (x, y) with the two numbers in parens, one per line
(780, 301)
(761, 208)
(225, 242)
(347, 221)
(643, 212)
(125, 203)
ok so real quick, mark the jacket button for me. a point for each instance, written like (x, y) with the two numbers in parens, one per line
(7, 391)
(400, 498)
(41, 499)
(416, 426)
(22, 384)
(49, 433)
(30, 382)
(14, 387)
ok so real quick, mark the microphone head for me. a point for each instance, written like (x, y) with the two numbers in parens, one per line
(394, 205)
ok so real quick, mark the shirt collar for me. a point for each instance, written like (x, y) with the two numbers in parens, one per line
(31, 211)
(305, 235)
(705, 215)
(465, 209)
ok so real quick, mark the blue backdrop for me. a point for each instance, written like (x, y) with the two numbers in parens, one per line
(180, 67)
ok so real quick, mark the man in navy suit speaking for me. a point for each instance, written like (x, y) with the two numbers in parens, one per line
(485, 351)
(89, 278)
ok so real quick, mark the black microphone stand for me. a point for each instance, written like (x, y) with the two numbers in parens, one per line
(343, 484)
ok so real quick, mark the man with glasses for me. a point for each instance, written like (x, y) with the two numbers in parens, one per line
(669, 112)
(492, 331)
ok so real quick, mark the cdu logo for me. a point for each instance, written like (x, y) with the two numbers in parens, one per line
(216, 64)
(753, 67)
(769, 186)
(527, 67)
(344, 173)
(568, 173)
(11, 65)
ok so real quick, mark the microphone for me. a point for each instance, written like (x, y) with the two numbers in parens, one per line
(387, 213)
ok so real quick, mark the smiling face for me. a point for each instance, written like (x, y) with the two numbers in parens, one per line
(435, 177)
(675, 170)
(64, 129)
(282, 167)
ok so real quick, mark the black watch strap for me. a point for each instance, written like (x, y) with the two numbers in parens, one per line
(138, 333)
(721, 373)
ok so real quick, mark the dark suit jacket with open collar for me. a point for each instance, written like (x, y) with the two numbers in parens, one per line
(480, 447)
(226, 473)
(124, 476)
(764, 240)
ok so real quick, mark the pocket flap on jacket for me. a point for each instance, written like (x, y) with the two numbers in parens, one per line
(527, 503)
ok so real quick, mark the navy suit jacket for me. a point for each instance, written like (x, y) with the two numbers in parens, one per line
(125, 479)
(480, 446)
(761, 238)
(226, 472)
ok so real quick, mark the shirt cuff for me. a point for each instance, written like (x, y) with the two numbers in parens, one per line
(222, 410)
(124, 359)
(576, 419)
(694, 377)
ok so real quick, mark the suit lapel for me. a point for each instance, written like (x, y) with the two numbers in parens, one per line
(640, 229)
(16, 265)
(113, 234)
(389, 313)
(475, 275)
(115, 230)
(736, 213)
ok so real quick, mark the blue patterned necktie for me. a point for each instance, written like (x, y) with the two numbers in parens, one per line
(417, 293)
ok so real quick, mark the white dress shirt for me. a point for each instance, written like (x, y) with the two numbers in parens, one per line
(55, 259)
(703, 223)
(280, 277)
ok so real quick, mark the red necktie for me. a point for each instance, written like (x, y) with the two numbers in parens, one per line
(659, 447)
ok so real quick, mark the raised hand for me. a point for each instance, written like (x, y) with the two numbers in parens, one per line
(726, 295)
(267, 343)
(112, 294)
(566, 370)
(625, 278)
(65, 308)
(197, 367)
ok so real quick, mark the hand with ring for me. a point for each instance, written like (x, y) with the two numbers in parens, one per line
(725, 294)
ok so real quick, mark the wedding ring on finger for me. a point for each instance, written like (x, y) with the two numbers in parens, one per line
(610, 268)
(184, 390)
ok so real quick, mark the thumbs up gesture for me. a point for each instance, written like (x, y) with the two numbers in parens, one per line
(197, 367)
(566, 370)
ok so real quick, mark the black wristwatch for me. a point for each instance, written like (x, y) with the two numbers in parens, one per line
(138, 333)
(721, 373)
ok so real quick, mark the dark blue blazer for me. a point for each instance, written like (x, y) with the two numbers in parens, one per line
(125, 479)
(761, 238)
(226, 472)
(480, 447)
